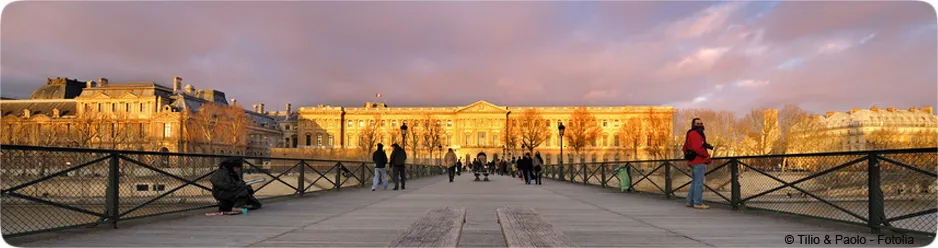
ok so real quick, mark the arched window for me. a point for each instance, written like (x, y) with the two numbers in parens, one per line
(309, 139)
(319, 139)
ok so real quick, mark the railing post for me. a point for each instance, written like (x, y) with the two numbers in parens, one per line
(361, 179)
(561, 172)
(338, 175)
(113, 190)
(586, 169)
(667, 179)
(876, 214)
(301, 180)
(602, 174)
(734, 181)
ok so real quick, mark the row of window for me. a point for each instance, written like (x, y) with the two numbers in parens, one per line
(117, 107)
(449, 123)
(481, 140)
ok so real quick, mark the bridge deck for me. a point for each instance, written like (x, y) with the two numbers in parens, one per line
(590, 216)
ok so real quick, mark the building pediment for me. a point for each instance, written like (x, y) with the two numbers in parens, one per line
(482, 107)
(101, 96)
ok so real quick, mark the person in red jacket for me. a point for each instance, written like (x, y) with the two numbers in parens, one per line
(697, 143)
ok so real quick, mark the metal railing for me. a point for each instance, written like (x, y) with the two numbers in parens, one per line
(886, 189)
(52, 188)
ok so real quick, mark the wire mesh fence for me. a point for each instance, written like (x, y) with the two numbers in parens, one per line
(48, 188)
(890, 189)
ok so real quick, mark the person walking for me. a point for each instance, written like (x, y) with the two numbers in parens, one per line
(398, 157)
(450, 161)
(525, 166)
(538, 163)
(695, 151)
(381, 173)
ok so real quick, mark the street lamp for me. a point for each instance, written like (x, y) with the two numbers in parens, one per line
(440, 147)
(403, 135)
(560, 129)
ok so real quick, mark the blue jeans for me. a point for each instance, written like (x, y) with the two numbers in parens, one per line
(381, 175)
(695, 194)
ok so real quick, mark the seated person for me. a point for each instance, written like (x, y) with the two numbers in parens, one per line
(230, 190)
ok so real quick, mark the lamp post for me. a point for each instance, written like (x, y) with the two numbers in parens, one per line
(560, 129)
(440, 147)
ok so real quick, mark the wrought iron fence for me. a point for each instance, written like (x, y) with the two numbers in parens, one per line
(887, 189)
(53, 188)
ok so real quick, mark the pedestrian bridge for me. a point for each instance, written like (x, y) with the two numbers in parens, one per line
(580, 202)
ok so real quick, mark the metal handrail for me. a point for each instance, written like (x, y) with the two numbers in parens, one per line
(114, 207)
(872, 183)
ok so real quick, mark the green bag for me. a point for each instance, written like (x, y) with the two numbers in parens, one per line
(624, 180)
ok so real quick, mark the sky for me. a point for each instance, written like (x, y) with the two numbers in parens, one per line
(823, 56)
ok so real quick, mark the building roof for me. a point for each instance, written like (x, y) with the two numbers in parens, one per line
(16, 107)
(58, 88)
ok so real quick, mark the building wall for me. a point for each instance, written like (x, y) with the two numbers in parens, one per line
(131, 116)
(471, 129)
(859, 129)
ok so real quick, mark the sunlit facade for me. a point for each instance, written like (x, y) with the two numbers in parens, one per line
(478, 127)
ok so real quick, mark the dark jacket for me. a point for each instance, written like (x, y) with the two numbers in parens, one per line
(227, 185)
(526, 164)
(380, 158)
(695, 142)
(398, 157)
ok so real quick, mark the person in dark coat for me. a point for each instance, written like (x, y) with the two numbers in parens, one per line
(525, 166)
(398, 158)
(229, 189)
(381, 173)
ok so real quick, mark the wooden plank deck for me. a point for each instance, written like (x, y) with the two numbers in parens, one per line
(589, 215)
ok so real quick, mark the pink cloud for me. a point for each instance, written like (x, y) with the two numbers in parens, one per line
(514, 53)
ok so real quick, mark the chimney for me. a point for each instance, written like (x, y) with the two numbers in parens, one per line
(912, 110)
(288, 108)
(177, 84)
(829, 114)
(854, 110)
(102, 82)
(891, 109)
(190, 89)
(260, 108)
(254, 107)
(234, 102)
(874, 109)
(927, 109)
(90, 84)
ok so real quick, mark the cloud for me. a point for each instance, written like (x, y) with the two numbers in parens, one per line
(750, 83)
(836, 54)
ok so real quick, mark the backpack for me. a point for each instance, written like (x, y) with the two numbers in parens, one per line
(689, 154)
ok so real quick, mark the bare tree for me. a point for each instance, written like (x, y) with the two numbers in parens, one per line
(414, 134)
(512, 133)
(787, 118)
(533, 129)
(582, 129)
(659, 133)
(432, 134)
(371, 135)
(631, 133)
(761, 132)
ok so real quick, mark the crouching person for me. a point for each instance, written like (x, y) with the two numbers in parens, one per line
(230, 190)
